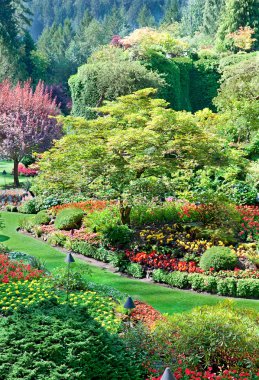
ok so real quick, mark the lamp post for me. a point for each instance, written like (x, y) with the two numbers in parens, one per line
(167, 375)
(129, 305)
(69, 260)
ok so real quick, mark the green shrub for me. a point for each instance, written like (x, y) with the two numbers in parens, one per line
(202, 283)
(204, 336)
(120, 234)
(167, 212)
(57, 342)
(118, 260)
(178, 279)
(69, 218)
(26, 224)
(83, 248)
(76, 278)
(227, 286)
(57, 239)
(99, 221)
(28, 207)
(248, 288)
(42, 218)
(135, 270)
(219, 258)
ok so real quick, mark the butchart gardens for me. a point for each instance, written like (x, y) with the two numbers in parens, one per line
(129, 190)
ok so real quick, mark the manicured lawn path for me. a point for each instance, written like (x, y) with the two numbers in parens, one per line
(163, 299)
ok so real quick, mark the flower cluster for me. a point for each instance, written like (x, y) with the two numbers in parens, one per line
(29, 293)
(236, 273)
(99, 307)
(180, 241)
(15, 271)
(27, 172)
(156, 260)
(145, 314)
(250, 222)
(89, 206)
(24, 293)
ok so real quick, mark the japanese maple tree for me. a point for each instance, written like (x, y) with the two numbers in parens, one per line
(25, 122)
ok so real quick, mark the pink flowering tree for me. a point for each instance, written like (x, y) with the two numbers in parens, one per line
(26, 125)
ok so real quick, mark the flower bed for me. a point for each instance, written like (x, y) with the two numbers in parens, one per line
(14, 271)
(88, 206)
(145, 313)
(231, 374)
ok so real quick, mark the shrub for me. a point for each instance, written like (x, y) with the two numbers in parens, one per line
(57, 239)
(26, 224)
(120, 234)
(220, 335)
(76, 278)
(202, 283)
(167, 212)
(99, 221)
(58, 342)
(28, 207)
(248, 288)
(227, 287)
(135, 270)
(69, 218)
(42, 218)
(219, 258)
(118, 260)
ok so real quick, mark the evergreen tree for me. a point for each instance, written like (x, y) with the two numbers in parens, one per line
(211, 15)
(192, 18)
(238, 13)
(172, 11)
(145, 17)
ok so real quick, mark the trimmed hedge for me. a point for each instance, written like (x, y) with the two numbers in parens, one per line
(41, 218)
(218, 258)
(69, 218)
(229, 286)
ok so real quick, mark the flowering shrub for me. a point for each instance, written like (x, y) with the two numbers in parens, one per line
(27, 172)
(250, 222)
(15, 271)
(145, 314)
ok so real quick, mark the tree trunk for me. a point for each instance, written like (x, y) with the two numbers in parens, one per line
(125, 213)
(15, 173)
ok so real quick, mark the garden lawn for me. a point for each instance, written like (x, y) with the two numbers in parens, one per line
(164, 299)
(8, 178)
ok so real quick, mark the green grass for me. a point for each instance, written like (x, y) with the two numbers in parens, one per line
(163, 299)
(8, 178)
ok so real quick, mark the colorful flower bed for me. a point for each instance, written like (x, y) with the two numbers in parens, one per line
(231, 374)
(250, 222)
(14, 271)
(27, 172)
(25, 293)
(156, 260)
(88, 206)
(145, 313)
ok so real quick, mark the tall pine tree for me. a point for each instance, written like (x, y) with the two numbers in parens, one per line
(172, 11)
(238, 13)
(211, 15)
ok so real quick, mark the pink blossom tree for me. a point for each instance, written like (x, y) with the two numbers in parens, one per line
(26, 125)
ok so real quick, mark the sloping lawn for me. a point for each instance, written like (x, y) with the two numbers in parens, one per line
(8, 178)
(163, 299)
